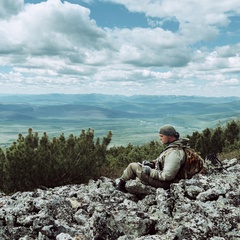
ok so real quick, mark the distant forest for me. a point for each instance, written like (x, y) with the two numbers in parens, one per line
(34, 161)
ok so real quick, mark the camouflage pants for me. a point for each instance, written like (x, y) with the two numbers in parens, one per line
(134, 170)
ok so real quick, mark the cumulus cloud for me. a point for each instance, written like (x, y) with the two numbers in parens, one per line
(9, 8)
(50, 27)
(161, 47)
(58, 44)
(198, 20)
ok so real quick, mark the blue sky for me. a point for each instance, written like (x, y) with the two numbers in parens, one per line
(128, 47)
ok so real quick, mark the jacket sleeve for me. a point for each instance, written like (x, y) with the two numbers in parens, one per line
(172, 163)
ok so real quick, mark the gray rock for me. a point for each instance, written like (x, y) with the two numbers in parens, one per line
(204, 207)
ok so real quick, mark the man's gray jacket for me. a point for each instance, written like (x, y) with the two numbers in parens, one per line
(168, 164)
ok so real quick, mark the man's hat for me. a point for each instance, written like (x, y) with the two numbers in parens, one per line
(169, 130)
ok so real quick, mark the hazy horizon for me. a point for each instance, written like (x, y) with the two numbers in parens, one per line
(134, 119)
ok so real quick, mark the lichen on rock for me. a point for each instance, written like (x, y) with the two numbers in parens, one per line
(204, 207)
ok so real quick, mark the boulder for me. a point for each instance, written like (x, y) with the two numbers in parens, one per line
(204, 207)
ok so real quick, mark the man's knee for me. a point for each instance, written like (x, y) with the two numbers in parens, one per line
(133, 166)
(130, 172)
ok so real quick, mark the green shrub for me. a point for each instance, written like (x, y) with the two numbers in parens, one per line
(32, 162)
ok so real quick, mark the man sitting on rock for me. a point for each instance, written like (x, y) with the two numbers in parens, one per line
(164, 170)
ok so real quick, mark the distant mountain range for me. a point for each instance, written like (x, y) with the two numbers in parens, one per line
(134, 119)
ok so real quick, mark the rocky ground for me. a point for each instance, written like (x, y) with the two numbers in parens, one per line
(204, 207)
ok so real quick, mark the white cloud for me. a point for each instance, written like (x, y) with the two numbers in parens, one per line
(198, 20)
(51, 28)
(58, 45)
(221, 59)
(9, 8)
(149, 47)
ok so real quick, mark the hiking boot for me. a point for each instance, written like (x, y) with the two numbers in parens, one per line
(121, 186)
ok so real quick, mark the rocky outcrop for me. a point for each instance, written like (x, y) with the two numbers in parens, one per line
(204, 207)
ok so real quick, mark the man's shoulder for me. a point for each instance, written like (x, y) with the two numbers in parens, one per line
(178, 144)
(172, 149)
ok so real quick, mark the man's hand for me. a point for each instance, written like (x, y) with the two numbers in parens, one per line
(148, 163)
(146, 169)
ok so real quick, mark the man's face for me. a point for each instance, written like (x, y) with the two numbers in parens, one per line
(164, 139)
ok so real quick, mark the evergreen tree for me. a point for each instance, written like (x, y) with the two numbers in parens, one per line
(194, 139)
(2, 170)
(43, 162)
(217, 142)
(231, 132)
(100, 153)
(31, 162)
